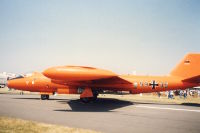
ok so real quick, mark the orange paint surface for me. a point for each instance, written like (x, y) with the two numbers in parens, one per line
(58, 79)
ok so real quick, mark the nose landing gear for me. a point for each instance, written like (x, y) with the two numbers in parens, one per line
(44, 97)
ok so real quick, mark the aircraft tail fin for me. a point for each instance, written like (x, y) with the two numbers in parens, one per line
(188, 68)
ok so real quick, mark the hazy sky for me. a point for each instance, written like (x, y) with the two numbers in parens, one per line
(147, 36)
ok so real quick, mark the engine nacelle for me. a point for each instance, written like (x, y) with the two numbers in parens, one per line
(77, 73)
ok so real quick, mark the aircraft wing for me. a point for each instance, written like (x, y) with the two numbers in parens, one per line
(85, 76)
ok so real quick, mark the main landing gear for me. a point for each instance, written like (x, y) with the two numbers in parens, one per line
(88, 99)
(44, 97)
(88, 95)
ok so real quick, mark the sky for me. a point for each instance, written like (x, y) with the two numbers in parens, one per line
(146, 36)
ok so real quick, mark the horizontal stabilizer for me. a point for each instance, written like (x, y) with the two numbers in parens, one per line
(195, 79)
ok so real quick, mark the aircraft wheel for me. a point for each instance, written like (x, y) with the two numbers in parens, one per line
(88, 99)
(85, 100)
(95, 94)
(45, 97)
(93, 98)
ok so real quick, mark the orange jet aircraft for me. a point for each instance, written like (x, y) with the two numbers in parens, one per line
(89, 81)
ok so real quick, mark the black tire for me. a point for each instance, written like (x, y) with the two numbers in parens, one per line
(85, 100)
(88, 99)
(95, 94)
(45, 97)
(93, 98)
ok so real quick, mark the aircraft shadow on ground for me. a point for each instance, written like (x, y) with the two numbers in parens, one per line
(100, 105)
(191, 104)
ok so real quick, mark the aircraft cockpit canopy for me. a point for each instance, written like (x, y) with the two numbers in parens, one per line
(19, 76)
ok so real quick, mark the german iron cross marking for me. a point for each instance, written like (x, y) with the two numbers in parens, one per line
(153, 84)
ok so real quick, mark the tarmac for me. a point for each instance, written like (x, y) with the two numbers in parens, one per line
(104, 115)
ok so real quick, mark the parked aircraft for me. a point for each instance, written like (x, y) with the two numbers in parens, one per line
(90, 81)
(3, 78)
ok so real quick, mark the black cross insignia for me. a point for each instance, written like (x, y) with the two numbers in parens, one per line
(153, 84)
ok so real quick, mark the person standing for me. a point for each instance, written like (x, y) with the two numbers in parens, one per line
(185, 94)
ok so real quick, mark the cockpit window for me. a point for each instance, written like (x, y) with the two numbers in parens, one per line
(17, 77)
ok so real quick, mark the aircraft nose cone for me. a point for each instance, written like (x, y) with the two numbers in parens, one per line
(16, 83)
(10, 84)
